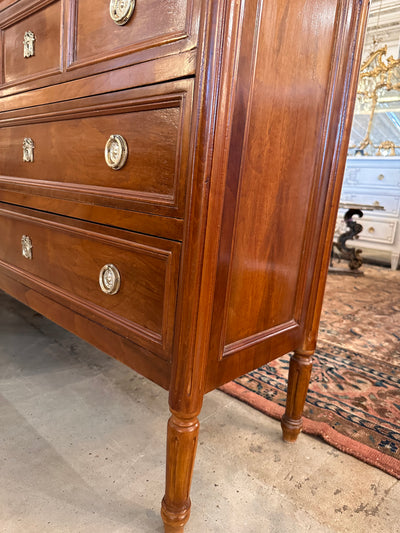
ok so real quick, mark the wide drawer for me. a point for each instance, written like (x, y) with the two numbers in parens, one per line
(378, 231)
(388, 200)
(71, 150)
(124, 281)
(32, 42)
(381, 176)
(102, 30)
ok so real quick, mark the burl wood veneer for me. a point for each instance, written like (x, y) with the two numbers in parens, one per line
(169, 179)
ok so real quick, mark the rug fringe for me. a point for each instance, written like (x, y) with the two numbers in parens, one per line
(360, 451)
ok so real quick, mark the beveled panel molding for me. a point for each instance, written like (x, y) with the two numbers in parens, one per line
(82, 283)
(165, 111)
(87, 47)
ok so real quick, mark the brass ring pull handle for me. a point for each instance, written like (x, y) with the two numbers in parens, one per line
(29, 44)
(116, 152)
(26, 244)
(121, 11)
(110, 279)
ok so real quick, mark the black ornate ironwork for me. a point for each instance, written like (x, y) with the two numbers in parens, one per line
(340, 248)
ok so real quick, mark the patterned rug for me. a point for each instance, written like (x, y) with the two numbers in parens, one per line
(354, 397)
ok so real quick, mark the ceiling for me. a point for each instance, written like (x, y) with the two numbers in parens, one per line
(384, 26)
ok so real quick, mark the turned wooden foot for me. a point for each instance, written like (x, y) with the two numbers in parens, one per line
(299, 379)
(181, 450)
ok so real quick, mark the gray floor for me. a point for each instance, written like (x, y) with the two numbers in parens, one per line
(82, 447)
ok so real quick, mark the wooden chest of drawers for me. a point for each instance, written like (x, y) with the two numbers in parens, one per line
(153, 159)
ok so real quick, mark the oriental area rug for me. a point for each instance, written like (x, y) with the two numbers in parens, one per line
(353, 401)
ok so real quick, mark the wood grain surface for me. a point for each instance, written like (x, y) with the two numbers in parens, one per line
(70, 140)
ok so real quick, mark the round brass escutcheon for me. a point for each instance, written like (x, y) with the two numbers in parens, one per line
(116, 152)
(110, 279)
(371, 229)
(121, 11)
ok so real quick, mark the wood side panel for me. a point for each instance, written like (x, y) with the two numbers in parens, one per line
(279, 164)
(277, 126)
(352, 40)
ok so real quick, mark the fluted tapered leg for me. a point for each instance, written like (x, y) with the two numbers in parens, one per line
(181, 451)
(299, 379)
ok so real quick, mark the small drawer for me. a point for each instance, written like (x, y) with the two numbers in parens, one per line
(32, 44)
(103, 30)
(378, 231)
(389, 202)
(124, 150)
(380, 176)
(123, 280)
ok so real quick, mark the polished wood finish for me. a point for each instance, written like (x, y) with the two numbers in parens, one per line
(144, 308)
(6, 3)
(95, 38)
(237, 119)
(155, 122)
(182, 440)
(299, 378)
(46, 24)
(89, 42)
(271, 227)
(160, 226)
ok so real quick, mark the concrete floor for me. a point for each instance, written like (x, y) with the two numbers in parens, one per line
(82, 448)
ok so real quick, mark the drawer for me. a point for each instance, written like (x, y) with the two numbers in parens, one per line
(378, 231)
(380, 176)
(32, 42)
(102, 30)
(67, 260)
(60, 150)
(389, 202)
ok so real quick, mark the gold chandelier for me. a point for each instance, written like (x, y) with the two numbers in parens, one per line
(378, 86)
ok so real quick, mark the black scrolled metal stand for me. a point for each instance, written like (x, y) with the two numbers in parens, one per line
(340, 250)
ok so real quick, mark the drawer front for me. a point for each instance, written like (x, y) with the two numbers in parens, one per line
(378, 231)
(372, 177)
(97, 37)
(66, 261)
(32, 44)
(389, 202)
(62, 151)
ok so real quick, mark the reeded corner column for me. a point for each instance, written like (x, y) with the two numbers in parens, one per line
(299, 379)
(181, 451)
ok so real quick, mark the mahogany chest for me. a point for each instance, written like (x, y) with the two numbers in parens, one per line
(170, 173)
